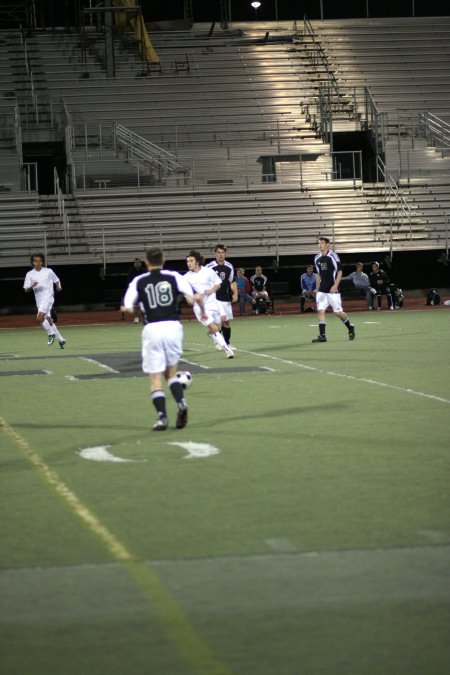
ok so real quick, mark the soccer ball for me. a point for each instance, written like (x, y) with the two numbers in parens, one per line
(184, 378)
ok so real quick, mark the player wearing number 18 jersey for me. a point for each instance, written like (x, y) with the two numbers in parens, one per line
(157, 293)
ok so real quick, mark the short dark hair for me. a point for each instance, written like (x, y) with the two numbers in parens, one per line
(197, 255)
(155, 256)
(37, 255)
(220, 247)
(325, 239)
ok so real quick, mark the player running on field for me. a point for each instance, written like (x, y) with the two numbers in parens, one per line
(227, 293)
(329, 274)
(42, 281)
(205, 283)
(156, 294)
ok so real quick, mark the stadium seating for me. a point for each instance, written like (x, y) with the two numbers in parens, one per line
(240, 100)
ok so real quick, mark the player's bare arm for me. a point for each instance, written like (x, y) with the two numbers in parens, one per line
(234, 291)
(335, 286)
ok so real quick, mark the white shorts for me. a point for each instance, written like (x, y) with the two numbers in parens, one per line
(333, 300)
(45, 306)
(225, 309)
(162, 345)
(212, 314)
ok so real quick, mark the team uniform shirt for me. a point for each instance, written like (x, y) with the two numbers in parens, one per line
(202, 281)
(224, 295)
(327, 267)
(157, 293)
(44, 292)
(258, 282)
(308, 282)
(375, 277)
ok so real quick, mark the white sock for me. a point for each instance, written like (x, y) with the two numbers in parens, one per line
(218, 337)
(46, 326)
(57, 333)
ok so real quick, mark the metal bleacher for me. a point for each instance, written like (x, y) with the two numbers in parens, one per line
(224, 105)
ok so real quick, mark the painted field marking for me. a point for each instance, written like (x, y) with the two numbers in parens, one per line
(100, 453)
(354, 378)
(165, 607)
(281, 545)
(194, 363)
(196, 449)
(99, 363)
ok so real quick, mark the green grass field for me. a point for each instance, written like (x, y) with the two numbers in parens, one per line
(315, 541)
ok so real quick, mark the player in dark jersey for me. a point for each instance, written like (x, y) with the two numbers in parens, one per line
(156, 293)
(329, 274)
(227, 292)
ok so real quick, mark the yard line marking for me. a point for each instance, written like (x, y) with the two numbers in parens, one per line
(281, 545)
(194, 363)
(405, 390)
(99, 453)
(196, 449)
(99, 363)
(175, 624)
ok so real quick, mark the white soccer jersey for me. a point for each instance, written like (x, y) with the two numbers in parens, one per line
(202, 281)
(44, 292)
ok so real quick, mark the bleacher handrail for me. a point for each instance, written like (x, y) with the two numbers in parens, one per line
(138, 146)
(436, 130)
(391, 189)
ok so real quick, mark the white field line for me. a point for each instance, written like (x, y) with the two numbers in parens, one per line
(99, 363)
(331, 373)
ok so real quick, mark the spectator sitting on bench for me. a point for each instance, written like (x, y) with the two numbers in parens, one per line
(361, 283)
(259, 286)
(379, 280)
(244, 288)
(307, 288)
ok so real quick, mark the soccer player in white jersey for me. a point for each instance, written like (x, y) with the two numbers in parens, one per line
(156, 293)
(205, 283)
(41, 281)
(328, 278)
(227, 293)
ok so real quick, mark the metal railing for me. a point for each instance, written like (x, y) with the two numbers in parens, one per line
(62, 209)
(393, 195)
(435, 130)
(138, 148)
(240, 171)
(376, 122)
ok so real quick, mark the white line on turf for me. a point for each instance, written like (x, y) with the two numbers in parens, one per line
(194, 363)
(281, 545)
(99, 363)
(354, 378)
(99, 453)
(196, 449)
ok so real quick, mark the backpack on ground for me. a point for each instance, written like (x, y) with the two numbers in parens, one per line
(261, 306)
(433, 297)
(397, 296)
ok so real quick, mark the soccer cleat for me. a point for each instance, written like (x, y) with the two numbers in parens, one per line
(320, 338)
(61, 344)
(51, 339)
(229, 353)
(182, 417)
(351, 332)
(161, 424)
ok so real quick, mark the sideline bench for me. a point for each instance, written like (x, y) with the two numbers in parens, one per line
(278, 290)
